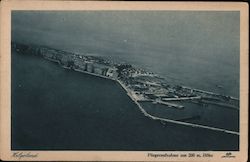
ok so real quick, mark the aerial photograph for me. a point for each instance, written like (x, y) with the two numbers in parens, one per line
(125, 80)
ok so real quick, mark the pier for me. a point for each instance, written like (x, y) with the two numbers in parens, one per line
(182, 98)
(209, 93)
(162, 103)
(168, 104)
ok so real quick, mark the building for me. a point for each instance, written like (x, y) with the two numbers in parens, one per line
(80, 64)
(64, 59)
(112, 72)
(90, 67)
(98, 70)
(49, 53)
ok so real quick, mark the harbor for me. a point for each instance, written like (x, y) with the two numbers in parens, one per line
(174, 121)
(116, 117)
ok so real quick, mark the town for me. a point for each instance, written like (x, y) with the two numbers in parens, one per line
(140, 85)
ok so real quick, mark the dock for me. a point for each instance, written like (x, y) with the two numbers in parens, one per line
(169, 104)
(182, 98)
(207, 92)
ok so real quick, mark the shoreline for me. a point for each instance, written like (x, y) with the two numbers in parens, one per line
(207, 92)
(97, 75)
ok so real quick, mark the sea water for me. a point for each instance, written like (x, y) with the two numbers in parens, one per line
(53, 108)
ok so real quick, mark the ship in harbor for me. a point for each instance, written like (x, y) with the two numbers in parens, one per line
(141, 86)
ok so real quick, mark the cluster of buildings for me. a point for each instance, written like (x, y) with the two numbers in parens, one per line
(145, 86)
(83, 64)
(70, 60)
(80, 63)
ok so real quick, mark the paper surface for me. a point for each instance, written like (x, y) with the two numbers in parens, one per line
(134, 30)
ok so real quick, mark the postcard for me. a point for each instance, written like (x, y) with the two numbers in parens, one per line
(124, 81)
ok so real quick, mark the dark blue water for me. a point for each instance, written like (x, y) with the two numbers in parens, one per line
(199, 49)
(195, 72)
(58, 109)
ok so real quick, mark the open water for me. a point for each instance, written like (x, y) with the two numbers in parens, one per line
(58, 109)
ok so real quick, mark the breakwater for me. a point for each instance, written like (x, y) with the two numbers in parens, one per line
(145, 113)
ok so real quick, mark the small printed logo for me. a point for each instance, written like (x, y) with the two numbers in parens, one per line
(228, 155)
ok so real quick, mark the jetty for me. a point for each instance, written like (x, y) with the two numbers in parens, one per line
(208, 93)
(168, 104)
(182, 98)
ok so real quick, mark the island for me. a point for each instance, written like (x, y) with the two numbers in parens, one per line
(139, 84)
